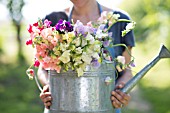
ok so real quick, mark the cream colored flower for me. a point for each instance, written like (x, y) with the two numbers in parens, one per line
(80, 72)
(77, 41)
(65, 57)
(130, 26)
(90, 38)
(78, 50)
(63, 46)
(86, 58)
(109, 14)
(96, 55)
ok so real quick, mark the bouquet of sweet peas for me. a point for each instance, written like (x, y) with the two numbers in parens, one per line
(73, 46)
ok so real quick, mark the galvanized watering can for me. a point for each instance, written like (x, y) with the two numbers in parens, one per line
(86, 94)
(90, 93)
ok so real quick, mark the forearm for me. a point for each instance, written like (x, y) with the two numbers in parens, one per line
(127, 75)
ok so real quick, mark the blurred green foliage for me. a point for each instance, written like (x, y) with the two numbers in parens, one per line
(18, 93)
(153, 21)
(152, 17)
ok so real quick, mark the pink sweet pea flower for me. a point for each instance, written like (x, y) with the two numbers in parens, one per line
(35, 24)
(29, 42)
(30, 29)
(36, 63)
(47, 23)
(30, 73)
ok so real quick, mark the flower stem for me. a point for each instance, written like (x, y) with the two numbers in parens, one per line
(119, 20)
(126, 49)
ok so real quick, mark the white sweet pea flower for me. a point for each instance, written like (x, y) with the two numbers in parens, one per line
(115, 16)
(80, 72)
(65, 36)
(109, 14)
(89, 50)
(121, 59)
(90, 38)
(84, 42)
(130, 26)
(97, 48)
(78, 58)
(78, 50)
(78, 63)
(77, 41)
(65, 57)
(99, 33)
(96, 55)
(64, 46)
(86, 58)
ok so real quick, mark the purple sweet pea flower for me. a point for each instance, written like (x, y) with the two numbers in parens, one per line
(95, 63)
(106, 43)
(132, 64)
(69, 27)
(63, 26)
(105, 51)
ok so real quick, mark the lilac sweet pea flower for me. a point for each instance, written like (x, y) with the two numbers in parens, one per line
(95, 63)
(92, 30)
(80, 28)
(102, 26)
(106, 43)
(132, 64)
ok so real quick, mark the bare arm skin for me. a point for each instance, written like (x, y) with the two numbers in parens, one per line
(42, 76)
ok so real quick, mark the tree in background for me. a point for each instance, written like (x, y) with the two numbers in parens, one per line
(15, 11)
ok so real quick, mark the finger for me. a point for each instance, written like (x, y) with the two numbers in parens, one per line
(119, 97)
(44, 95)
(47, 99)
(122, 97)
(47, 105)
(115, 102)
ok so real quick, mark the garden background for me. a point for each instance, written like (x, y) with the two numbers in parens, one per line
(20, 95)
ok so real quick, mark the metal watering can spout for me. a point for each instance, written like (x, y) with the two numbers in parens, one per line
(164, 53)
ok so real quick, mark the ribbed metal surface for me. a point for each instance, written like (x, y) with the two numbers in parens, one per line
(86, 94)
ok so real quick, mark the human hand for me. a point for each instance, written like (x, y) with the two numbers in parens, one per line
(45, 96)
(118, 98)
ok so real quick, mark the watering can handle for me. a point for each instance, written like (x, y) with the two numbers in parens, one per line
(37, 82)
